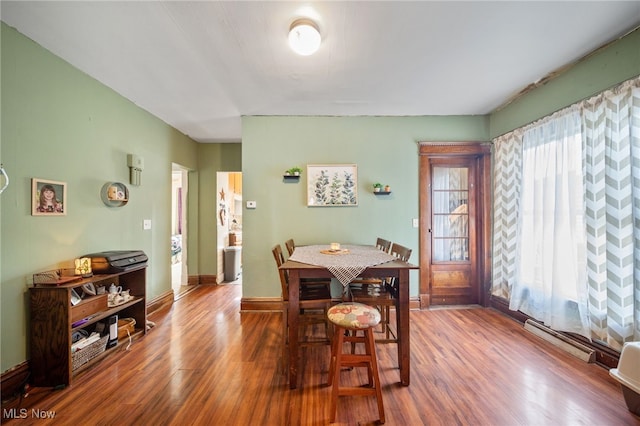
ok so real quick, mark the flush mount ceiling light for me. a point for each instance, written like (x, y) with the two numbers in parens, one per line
(304, 37)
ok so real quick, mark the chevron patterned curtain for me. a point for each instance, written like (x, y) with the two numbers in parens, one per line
(611, 167)
(611, 127)
(506, 186)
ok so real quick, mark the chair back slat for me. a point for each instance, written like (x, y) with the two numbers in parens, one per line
(384, 245)
(290, 245)
(401, 252)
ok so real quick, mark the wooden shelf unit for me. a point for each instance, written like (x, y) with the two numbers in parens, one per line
(52, 316)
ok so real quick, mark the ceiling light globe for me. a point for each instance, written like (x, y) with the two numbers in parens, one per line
(304, 37)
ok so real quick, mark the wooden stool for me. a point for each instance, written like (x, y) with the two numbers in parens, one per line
(352, 316)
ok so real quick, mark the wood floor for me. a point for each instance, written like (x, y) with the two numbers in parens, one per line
(205, 363)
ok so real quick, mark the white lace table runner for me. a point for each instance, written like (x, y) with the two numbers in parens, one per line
(344, 266)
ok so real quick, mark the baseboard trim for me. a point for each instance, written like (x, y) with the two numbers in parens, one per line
(208, 279)
(260, 304)
(12, 382)
(165, 299)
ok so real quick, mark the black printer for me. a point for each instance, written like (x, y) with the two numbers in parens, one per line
(109, 262)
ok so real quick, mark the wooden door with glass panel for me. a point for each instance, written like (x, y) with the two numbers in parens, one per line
(453, 277)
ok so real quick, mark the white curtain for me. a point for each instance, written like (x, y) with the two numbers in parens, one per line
(550, 268)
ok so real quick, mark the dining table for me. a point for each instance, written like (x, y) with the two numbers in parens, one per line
(344, 264)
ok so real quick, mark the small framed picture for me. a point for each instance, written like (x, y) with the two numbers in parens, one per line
(332, 185)
(48, 197)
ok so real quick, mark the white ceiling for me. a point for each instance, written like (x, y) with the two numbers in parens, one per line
(201, 65)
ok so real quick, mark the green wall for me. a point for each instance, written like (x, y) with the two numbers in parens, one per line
(385, 150)
(60, 124)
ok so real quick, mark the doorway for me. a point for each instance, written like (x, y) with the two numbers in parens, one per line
(179, 272)
(454, 223)
(229, 227)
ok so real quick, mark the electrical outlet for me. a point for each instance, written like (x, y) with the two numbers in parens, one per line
(416, 223)
(146, 224)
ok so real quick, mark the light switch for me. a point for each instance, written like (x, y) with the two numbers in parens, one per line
(251, 204)
(416, 223)
(146, 224)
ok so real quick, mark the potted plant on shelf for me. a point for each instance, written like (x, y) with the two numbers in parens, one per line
(294, 171)
(387, 188)
(377, 187)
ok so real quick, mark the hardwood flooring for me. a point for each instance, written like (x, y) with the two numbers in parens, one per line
(205, 363)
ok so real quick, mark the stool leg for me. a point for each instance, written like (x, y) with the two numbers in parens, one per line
(371, 349)
(336, 360)
(332, 362)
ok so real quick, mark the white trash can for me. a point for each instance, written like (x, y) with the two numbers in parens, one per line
(232, 263)
(628, 374)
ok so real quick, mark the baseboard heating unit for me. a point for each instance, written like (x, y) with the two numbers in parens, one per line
(576, 349)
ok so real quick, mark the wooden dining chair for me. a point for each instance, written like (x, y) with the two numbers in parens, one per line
(290, 245)
(314, 302)
(384, 245)
(383, 295)
(368, 290)
(308, 282)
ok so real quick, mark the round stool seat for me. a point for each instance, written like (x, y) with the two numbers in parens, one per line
(354, 315)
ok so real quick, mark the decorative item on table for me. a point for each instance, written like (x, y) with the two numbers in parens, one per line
(55, 277)
(334, 248)
(118, 298)
(83, 267)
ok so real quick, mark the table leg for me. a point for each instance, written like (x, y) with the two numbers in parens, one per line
(294, 312)
(402, 324)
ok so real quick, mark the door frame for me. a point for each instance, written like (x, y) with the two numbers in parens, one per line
(480, 152)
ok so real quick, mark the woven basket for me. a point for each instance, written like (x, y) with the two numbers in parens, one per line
(125, 324)
(85, 355)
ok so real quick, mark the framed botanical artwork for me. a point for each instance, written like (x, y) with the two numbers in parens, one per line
(48, 198)
(332, 185)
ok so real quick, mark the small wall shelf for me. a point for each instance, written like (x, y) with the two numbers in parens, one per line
(291, 178)
(382, 193)
(114, 194)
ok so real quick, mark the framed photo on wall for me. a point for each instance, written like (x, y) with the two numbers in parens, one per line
(48, 197)
(332, 185)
